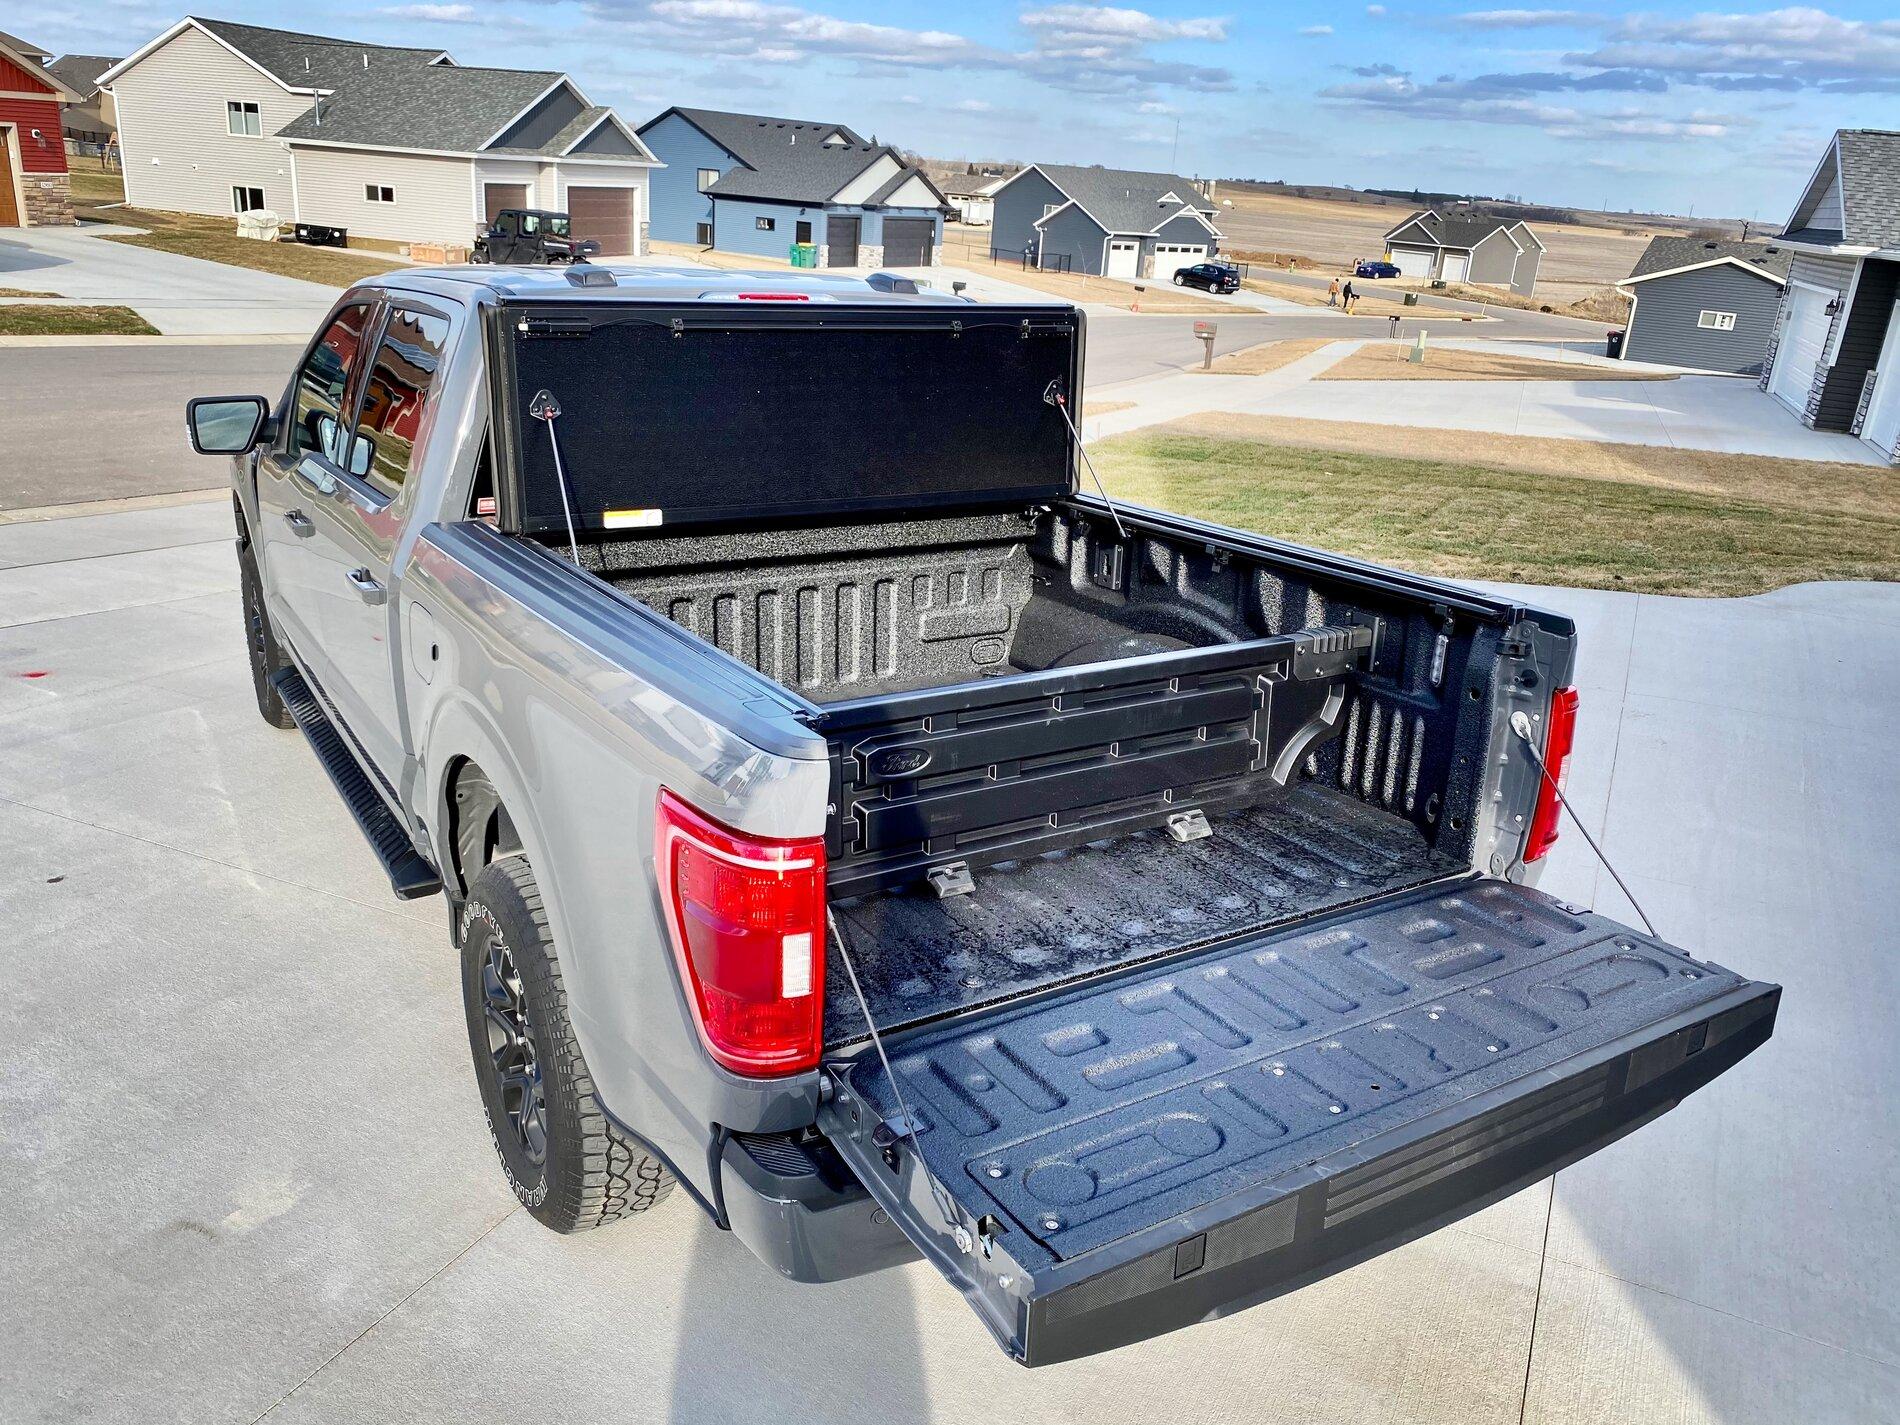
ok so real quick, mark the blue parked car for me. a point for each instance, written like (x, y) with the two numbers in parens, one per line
(1375, 269)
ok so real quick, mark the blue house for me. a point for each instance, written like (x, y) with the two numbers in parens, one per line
(751, 183)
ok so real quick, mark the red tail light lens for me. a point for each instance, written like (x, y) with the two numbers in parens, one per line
(773, 297)
(748, 923)
(1560, 731)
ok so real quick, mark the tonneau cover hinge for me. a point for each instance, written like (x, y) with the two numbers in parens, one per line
(952, 879)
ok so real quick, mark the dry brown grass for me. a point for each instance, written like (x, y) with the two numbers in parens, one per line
(20, 292)
(73, 321)
(1601, 304)
(1079, 287)
(216, 240)
(1388, 361)
(1366, 306)
(1759, 479)
(1268, 356)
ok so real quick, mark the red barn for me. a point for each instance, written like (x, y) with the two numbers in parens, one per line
(34, 185)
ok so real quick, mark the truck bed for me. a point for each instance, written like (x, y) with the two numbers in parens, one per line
(1067, 914)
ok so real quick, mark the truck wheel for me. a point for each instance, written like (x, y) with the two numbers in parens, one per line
(565, 1160)
(261, 640)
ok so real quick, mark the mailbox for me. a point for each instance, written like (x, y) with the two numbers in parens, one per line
(1204, 329)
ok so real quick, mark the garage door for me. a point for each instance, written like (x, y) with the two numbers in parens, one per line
(605, 215)
(1412, 262)
(1170, 257)
(1802, 341)
(496, 196)
(907, 242)
(1457, 264)
(1123, 259)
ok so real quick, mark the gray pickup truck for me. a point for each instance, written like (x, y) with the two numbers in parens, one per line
(844, 816)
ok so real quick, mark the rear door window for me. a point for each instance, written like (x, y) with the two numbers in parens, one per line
(408, 363)
(318, 422)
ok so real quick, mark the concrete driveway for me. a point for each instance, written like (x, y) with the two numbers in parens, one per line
(247, 1172)
(178, 295)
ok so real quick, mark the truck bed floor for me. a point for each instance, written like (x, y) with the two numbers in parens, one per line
(1066, 914)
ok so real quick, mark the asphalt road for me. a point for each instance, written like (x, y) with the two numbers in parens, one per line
(81, 423)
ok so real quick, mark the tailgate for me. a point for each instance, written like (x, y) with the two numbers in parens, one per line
(1172, 1144)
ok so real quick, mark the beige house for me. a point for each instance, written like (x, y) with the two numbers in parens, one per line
(92, 120)
(394, 145)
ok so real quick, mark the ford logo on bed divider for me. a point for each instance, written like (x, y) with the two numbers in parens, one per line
(899, 761)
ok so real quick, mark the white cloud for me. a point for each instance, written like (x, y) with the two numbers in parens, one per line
(1524, 19)
(1155, 106)
(973, 106)
(1106, 23)
(440, 14)
(1792, 48)
(1375, 11)
(1317, 31)
(1470, 102)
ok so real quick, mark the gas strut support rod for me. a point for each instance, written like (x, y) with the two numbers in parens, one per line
(545, 408)
(1052, 396)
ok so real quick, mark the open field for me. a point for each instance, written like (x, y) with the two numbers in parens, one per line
(1333, 234)
(1388, 361)
(51, 320)
(1745, 528)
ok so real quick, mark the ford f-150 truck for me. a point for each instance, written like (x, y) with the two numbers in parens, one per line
(846, 815)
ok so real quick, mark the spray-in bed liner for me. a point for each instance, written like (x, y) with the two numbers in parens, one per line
(1066, 914)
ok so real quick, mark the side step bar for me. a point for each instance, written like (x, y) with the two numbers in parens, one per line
(411, 876)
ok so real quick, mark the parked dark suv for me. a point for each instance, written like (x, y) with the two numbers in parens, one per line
(1209, 277)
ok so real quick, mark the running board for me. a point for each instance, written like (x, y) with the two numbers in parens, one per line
(411, 876)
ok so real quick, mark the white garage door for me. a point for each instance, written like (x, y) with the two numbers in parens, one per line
(1172, 256)
(1123, 258)
(1802, 341)
(1413, 262)
(1457, 264)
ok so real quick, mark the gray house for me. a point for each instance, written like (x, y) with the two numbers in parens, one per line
(1834, 359)
(1706, 305)
(756, 184)
(1112, 222)
(1490, 252)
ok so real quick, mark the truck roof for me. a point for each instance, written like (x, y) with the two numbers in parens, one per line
(645, 283)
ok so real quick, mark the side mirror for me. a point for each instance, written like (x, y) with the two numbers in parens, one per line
(225, 425)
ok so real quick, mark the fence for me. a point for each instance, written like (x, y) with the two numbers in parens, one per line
(1043, 262)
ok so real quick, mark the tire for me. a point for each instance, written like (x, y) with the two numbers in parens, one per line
(1179, 280)
(566, 1161)
(260, 640)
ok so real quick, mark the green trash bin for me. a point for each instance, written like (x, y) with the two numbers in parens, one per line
(1411, 299)
(804, 254)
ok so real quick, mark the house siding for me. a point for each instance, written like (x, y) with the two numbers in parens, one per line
(1663, 328)
(607, 142)
(1185, 227)
(735, 226)
(1525, 282)
(543, 121)
(1014, 211)
(178, 152)
(1858, 353)
(1074, 234)
(494, 170)
(678, 205)
(434, 196)
(1493, 260)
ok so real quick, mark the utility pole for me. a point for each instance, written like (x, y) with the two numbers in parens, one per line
(1174, 154)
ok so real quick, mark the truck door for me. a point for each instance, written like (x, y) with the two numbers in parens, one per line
(301, 473)
(358, 527)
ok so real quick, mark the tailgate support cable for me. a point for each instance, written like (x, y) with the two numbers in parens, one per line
(946, 1204)
(1521, 725)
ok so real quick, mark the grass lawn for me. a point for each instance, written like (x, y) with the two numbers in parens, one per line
(73, 321)
(216, 239)
(19, 292)
(1386, 361)
(1268, 356)
(1464, 520)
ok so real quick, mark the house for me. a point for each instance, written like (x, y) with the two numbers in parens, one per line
(1703, 304)
(753, 183)
(92, 120)
(1113, 222)
(1834, 359)
(1466, 247)
(972, 196)
(35, 188)
(395, 145)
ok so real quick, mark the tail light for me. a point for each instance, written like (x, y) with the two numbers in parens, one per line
(773, 297)
(748, 920)
(1560, 730)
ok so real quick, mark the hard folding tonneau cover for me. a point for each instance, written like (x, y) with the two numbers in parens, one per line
(1113, 1160)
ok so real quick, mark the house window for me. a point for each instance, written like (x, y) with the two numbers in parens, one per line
(243, 120)
(802, 233)
(707, 177)
(379, 193)
(246, 200)
(765, 225)
(1048, 208)
(1716, 321)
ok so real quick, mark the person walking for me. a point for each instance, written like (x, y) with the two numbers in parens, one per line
(1350, 297)
(1332, 293)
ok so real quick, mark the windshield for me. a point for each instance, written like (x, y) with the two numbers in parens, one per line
(558, 226)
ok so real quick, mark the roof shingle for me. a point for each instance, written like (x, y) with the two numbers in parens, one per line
(1665, 254)
(448, 107)
(1870, 187)
(80, 72)
(312, 61)
(1126, 200)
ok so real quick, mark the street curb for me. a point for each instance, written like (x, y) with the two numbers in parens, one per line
(37, 513)
(197, 339)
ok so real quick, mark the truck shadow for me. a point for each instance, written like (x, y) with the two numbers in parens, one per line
(750, 1344)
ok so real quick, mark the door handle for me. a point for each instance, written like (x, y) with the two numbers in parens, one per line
(366, 586)
(300, 524)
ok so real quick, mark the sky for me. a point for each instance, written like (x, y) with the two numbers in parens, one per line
(1670, 108)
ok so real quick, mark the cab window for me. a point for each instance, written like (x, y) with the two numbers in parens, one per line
(317, 424)
(408, 361)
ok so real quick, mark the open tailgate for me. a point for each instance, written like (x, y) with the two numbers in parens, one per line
(1119, 1159)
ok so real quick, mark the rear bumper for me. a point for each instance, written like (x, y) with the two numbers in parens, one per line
(803, 1213)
